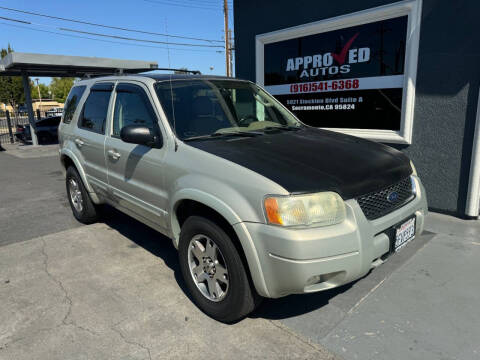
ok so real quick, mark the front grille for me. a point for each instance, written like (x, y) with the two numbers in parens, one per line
(377, 204)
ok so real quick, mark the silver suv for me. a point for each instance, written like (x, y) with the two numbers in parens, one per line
(257, 203)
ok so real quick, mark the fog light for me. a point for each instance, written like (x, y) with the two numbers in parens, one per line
(314, 280)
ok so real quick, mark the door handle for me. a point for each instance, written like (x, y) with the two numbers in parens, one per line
(113, 154)
(79, 142)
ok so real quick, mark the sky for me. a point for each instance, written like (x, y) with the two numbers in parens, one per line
(191, 18)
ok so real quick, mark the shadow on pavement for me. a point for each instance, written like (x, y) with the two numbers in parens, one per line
(162, 247)
(295, 305)
(146, 237)
(273, 309)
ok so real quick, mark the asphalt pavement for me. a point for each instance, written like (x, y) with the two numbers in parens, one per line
(113, 290)
(32, 195)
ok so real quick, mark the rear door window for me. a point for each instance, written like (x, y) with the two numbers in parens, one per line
(94, 113)
(72, 101)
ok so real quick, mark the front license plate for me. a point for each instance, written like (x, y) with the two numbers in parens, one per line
(404, 233)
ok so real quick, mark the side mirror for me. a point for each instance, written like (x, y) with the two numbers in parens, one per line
(142, 135)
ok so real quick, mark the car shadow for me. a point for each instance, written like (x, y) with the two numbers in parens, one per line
(144, 236)
(40, 142)
(295, 305)
(162, 247)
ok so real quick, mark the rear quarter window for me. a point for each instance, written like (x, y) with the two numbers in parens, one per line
(72, 102)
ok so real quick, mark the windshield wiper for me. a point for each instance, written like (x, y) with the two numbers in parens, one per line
(225, 134)
(282, 127)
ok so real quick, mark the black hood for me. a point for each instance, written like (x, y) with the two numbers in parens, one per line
(313, 160)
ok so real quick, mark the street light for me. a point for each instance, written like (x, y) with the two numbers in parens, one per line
(39, 95)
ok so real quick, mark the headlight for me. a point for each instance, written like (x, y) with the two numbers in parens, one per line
(414, 171)
(322, 209)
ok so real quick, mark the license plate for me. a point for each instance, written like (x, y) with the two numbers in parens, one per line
(404, 233)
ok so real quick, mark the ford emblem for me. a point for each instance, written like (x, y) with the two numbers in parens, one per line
(392, 197)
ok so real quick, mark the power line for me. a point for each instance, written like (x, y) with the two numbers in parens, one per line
(15, 20)
(135, 39)
(206, 2)
(115, 36)
(110, 41)
(181, 4)
(106, 26)
(186, 3)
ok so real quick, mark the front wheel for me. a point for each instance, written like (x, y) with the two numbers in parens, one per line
(214, 272)
(82, 206)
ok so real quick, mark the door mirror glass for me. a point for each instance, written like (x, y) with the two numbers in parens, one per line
(141, 135)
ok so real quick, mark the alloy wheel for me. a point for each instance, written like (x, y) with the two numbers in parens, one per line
(208, 268)
(75, 195)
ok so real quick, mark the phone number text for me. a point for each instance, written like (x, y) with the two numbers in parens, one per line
(319, 86)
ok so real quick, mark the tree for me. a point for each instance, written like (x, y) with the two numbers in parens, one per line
(60, 88)
(11, 87)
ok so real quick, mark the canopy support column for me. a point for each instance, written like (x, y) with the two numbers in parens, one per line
(28, 102)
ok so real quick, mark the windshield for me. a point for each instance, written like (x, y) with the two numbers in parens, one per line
(201, 108)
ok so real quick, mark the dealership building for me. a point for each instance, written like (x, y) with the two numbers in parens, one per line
(402, 73)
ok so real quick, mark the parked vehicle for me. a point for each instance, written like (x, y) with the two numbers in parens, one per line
(22, 111)
(54, 112)
(47, 130)
(257, 203)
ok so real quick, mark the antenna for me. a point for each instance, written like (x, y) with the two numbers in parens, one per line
(171, 90)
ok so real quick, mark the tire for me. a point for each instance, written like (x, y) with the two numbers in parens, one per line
(86, 213)
(238, 298)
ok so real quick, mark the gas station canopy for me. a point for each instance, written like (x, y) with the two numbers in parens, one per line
(17, 64)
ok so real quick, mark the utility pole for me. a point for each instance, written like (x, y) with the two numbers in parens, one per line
(227, 46)
(39, 95)
(230, 50)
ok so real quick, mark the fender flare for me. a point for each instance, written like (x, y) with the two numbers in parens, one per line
(230, 215)
(204, 198)
(68, 153)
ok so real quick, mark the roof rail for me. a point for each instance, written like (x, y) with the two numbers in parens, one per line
(194, 72)
(123, 72)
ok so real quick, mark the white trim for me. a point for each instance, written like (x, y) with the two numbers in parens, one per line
(473, 195)
(412, 8)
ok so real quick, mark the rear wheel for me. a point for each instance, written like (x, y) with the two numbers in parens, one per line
(82, 206)
(214, 271)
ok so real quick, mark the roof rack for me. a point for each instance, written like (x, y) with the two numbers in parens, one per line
(194, 72)
(118, 72)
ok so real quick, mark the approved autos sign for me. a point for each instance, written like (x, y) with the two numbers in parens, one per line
(347, 78)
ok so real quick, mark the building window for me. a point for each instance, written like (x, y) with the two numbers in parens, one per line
(354, 73)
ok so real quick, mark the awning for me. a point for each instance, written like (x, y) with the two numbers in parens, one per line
(16, 63)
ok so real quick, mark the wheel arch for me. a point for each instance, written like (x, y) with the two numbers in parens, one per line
(68, 158)
(196, 202)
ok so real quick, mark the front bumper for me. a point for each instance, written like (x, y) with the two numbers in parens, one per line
(314, 259)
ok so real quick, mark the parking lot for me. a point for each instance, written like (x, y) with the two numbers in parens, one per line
(113, 290)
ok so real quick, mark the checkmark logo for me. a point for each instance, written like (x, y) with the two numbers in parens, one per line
(340, 58)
